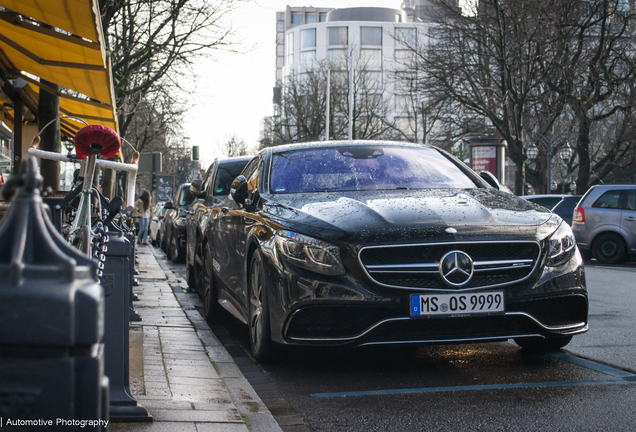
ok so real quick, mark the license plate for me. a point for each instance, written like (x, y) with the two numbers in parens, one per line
(453, 304)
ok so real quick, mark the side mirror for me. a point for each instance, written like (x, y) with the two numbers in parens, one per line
(238, 190)
(489, 178)
(169, 206)
(195, 188)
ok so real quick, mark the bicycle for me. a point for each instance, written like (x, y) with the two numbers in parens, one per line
(88, 228)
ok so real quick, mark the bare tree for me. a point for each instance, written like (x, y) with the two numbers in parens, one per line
(595, 74)
(484, 61)
(234, 146)
(151, 41)
(304, 102)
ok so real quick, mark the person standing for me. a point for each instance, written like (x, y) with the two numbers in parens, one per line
(143, 207)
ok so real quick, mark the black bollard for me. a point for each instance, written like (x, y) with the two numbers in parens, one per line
(116, 281)
(51, 321)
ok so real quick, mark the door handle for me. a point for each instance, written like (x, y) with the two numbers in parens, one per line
(630, 218)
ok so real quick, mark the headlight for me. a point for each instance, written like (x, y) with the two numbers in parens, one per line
(562, 245)
(310, 253)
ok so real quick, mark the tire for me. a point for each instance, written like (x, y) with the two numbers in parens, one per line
(550, 343)
(259, 325)
(609, 248)
(174, 253)
(212, 310)
(197, 265)
(190, 276)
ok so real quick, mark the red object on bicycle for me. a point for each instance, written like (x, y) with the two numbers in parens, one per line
(96, 139)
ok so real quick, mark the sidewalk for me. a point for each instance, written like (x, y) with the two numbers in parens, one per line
(179, 371)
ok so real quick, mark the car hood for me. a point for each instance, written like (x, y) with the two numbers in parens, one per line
(406, 216)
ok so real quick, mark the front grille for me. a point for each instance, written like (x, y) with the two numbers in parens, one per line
(443, 329)
(416, 266)
(336, 321)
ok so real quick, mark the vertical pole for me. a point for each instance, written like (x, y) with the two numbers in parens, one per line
(328, 100)
(549, 166)
(351, 98)
(17, 135)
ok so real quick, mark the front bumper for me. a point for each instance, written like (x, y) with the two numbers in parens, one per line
(351, 310)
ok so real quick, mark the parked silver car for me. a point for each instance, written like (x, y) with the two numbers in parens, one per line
(604, 223)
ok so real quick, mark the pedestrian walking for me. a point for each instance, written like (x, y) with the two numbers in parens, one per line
(143, 207)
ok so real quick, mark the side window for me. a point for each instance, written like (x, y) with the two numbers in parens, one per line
(252, 174)
(631, 199)
(611, 199)
(207, 180)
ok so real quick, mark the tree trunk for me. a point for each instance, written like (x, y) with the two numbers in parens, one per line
(583, 151)
(48, 110)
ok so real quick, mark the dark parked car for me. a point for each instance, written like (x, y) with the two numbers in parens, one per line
(604, 223)
(563, 205)
(208, 193)
(366, 243)
(172, 229)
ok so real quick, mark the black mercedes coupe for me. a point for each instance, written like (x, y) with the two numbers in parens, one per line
(367, 242)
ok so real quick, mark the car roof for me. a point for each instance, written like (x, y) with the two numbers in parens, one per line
(614, 186)
(354, 143)
(549, 196)
(223, 161)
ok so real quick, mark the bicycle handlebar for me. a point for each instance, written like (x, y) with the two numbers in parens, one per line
(130, 168)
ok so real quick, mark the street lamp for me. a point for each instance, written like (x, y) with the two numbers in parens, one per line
(69, 146)
(532, 152)
(566, 152)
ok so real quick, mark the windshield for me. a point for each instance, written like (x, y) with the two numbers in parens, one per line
(185, 197)
(358, 168)
(225, 175)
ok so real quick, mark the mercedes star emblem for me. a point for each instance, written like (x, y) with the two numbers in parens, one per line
(456, 268)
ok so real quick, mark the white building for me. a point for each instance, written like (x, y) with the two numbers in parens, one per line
(375, 41)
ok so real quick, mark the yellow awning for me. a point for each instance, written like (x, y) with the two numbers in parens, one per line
(75, 63)
(80, 17)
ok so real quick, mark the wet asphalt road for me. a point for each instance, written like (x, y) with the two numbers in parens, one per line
(589, 386)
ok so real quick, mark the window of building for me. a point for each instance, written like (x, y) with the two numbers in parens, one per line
(404, 58)
(296, 18)
(371, 36)
(338, 36)
(405, 82)
(279, 74)
(371, 59)
(310, 18)
(371, 80)
(280, 25)
(405, 38)
(280, 50)
(403, 104)
(307, 57)
(323, 17)
(338, 56)
(290, 48)
(280, 62)
(308, 39)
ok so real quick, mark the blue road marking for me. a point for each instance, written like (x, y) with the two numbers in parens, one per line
(469, 388)
(598, 367)
(623, 378)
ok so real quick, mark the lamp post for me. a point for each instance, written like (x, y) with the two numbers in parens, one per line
(549, 144)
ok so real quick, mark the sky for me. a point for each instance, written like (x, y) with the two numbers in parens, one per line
(234, 90)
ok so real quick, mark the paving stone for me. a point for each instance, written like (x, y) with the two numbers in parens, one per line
(162, 415)
(221, 427)
(156, 426)
(167, 404)
(191, 372)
